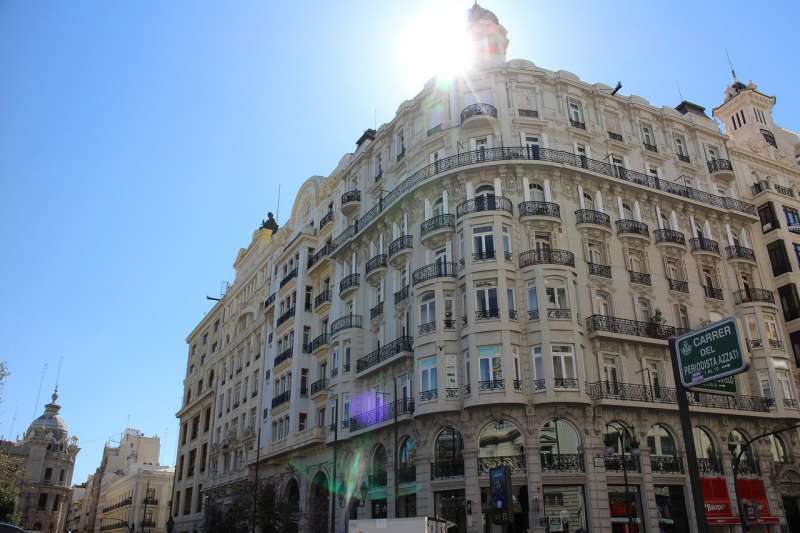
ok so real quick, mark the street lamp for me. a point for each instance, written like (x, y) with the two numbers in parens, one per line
(364, 493)
(617, 441)
(736, 454)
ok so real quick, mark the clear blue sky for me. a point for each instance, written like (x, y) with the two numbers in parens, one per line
(142, 142)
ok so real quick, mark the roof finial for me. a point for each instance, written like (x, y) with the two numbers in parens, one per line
(54, 396)
(733, 72)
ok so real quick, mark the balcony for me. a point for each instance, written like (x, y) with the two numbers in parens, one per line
(547, 256)
(376, 311)
(375, 269)
(720, 167)
(748, 296)
(323, 300)
(624, 326)
(436, 229)
(555, 313)
(633, 229)
(346, 322)
(479, 112)
(289, 277)
(486, 314)
(666, 464)
(383, 413)
(701, 246)
(270, 301)
(492, 385)
(539, 211)
(483, 256)
(447, 469)
(610, 390)
(736, 403)
(596, 269)
(442, 269)
(484, 203)
(318, 386)
(515, 463)
(528, 113)
(318, 257)
(324, 221)
(399, 346)
(401, 295)
(713, 293)
(620, 463)
(281, 399)
(683, 157)
(670, 238)
(520, 153)
(650, 147)
(351, 201)
(349, 284)
(786, 191)
(428, 395)
(596, 220)
(289, 313)
(678, 285)
(320, 342)
(561, 462)
(565, 383)
(641, 278)
(740, 254)
(427, 327)
(400, 250)
(577, 124)
(615, 136)
(283, 356)
(709, 465)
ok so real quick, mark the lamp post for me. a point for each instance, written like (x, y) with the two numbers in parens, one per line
(611, 442)
(736, 453)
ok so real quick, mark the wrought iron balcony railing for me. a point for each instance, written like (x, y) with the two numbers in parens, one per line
(542, 209)
(650, 147)
(445, 221)
(289, 276)
(376, 311)
(385, 352)
(625, 326)
(547, 256)
(709, 465)
(535, 153)
(483, 256)
(440, 269)
(485, 203)
(323, 298)
(318, 386)
(618, 463)
(713, 292)
(720, 165)
(562, 462)
(426, 328)
(596, 269)
(740, 252)
(326, 219)
(669, 236)
(320, 341)
(494, 384)
(382, 413)
(565, 383)
(678, 285)
(349, 282)
(283, 356)
(428, 395)
(319, 254)
(281, 398)
(632, 227)
(683, 157)
(590, 216)
(404, 242)
(615, 136)
(289, 313)
(699, 244)
(376, 262)
(401, 295)
(666, 464)
(346, 322)
(744, 296)
(485, 314)
(478, 109)
(351, 196)
(515, 463)
(577, 124)
(559, 313)
(642, 278)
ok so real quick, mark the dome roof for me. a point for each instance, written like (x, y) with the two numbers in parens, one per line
(50, 421)
(477, 13)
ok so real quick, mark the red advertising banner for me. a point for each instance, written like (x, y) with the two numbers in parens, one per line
(717, 501)
(753, 495)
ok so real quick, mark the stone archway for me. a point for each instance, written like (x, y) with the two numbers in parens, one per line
(319, 499)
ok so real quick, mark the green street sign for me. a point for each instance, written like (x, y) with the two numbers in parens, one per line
(721, 386)
(710, 354)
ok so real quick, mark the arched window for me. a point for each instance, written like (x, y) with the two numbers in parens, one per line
(777, 449)
(377, 475)
(560, 446)
(448, 454)
(661, 442)
(747, 462)
(618, 437)
(317, 512)
(603, 303)
(484, 198)
(706, 451)
(537, 192)
(769, 138)
(500, 444)
(407, 461)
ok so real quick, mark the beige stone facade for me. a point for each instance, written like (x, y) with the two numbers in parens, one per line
(46, 455)
(491, 279)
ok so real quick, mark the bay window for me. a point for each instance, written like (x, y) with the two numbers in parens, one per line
(564, 366)
(491, 367)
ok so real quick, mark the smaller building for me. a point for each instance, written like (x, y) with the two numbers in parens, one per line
(75, 508)
(47, 456)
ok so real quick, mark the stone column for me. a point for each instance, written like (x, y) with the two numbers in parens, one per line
(472, 489)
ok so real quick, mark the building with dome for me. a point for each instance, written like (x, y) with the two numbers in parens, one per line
(491, 279)
(47, 455)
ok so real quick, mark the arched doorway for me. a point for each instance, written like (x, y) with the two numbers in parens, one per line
(500, 443)
(377, 483)
(407, 472)
(318, 503)
(292, 496)
(448, 449)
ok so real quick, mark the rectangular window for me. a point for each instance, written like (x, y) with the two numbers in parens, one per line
(483, 242)
(428, 375)
(302, 421)
(486, 300)
(575, 110)
(778, 258)
(792, 216)
(680, 146)
(506, 243)
(564, 366)
(538, 367)
(533, 302)
(512, 306)
(764, 384)
(557, 297)
(785, 383)
(769, 221)
(491, 363)
(789, 301)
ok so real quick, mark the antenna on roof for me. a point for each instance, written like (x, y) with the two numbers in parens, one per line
(39, 392)
(58, 372)
(278, 209)
(730, 63)
(679, 90)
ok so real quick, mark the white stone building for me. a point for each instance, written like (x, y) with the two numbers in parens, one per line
(490, 279)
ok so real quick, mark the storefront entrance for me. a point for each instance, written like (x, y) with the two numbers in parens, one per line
(451, 505)
(519, 512)
(564, 508)
(672, 515)
(626, 509)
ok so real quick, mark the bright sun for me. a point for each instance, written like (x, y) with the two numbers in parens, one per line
(435, 44)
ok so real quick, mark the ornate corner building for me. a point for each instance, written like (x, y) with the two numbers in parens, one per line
(46, 455)
(491, 279)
